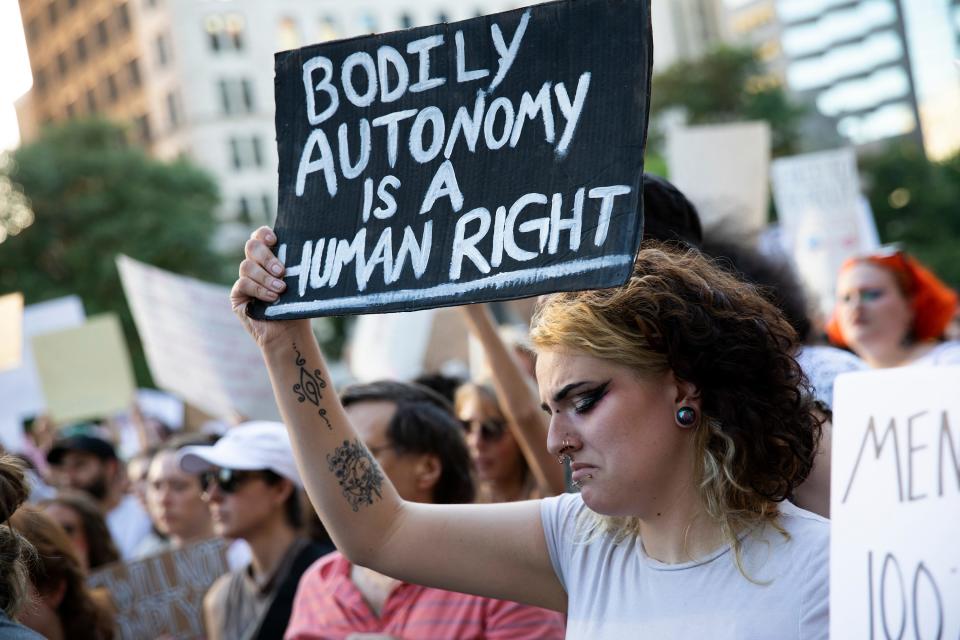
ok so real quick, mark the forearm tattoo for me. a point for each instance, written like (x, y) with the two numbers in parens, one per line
(357, 472)
(310, 385)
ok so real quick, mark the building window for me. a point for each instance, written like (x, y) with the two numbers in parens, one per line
(40, 81)
(112, 92)
(288, 35)
(173, 110)
(103, 34)
(406, 20)
(236, 95)
(123, 17)
(243, 210)
(225, 33)
(163, 56)
(267, 200)
(62, 63)
(33, 30)
(328, 29)
(52, 14)
(246, 153)
(91, 101)
(133, 73)
(142, 126)
(442, 17)
(81, 49)
(368, 24)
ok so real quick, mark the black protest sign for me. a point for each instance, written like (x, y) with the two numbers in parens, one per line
(494, 158)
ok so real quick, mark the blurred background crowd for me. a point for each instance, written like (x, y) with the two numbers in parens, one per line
(145, 127)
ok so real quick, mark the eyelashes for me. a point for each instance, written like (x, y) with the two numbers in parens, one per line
(589, 399)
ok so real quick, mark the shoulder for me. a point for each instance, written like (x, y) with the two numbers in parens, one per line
(807, 530)
(216, 595)
(324, 570)
(945, 353)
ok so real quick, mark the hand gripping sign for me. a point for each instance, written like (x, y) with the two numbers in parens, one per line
(494, 158)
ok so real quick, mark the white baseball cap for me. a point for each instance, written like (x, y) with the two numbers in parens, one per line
(251, 446)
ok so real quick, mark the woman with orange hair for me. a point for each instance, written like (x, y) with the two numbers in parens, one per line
(892, 311)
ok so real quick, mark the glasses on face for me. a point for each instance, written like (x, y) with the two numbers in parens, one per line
(491, 430)
(229, 480)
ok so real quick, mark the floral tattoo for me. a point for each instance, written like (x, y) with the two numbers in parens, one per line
(357, 472)
(310, 385)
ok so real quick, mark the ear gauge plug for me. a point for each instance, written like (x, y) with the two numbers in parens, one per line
(686, 417)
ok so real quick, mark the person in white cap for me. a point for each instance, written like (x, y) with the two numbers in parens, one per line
(252, 486)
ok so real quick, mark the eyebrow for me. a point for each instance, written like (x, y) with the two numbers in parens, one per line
(564, 392)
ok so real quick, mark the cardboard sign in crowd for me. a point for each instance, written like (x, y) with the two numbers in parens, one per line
(161, 596)
(494, 158)
(895, 505)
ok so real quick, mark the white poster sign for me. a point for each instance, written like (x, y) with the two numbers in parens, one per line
(895, 505)
(723, 170)
(21, 395)
(824, 217)
(390, 346)
(195, 346)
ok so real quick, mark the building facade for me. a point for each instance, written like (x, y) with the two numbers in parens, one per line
(195, 77)
(870, 70)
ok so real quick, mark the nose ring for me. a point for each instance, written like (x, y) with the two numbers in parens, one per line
(564, 457)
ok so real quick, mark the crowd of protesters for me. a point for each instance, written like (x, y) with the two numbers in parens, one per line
(689, 411)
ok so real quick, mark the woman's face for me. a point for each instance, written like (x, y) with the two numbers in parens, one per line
(175, 498)
(495, 454)
(627, 451)
(72, 523)
(873, 312)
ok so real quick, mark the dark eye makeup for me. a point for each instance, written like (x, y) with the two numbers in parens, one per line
(589, 399)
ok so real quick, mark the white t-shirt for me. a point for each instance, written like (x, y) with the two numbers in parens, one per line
(129, 524)
(617, 591)
(945, 353)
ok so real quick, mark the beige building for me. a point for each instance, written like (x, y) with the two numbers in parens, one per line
(685, 29)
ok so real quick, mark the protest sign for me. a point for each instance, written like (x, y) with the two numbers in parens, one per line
(162, 596)
(895, 505)
(195, 346)
(11, 330)
(390, 346)
(824, 217)
(21, 396)
(722, 169)
(493, 158)
(85, 371)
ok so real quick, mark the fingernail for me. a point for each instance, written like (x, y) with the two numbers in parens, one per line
(278, 285)
(276, 268)
(271, 238)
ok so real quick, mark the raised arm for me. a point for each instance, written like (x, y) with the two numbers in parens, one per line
(491, 550)
(518, 401)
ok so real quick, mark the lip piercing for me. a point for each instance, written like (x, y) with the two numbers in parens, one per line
(565, 457)
(579, 483)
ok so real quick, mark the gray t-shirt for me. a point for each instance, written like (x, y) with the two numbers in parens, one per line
(616, 591)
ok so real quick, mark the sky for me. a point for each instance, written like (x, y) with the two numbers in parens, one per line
(16, 71)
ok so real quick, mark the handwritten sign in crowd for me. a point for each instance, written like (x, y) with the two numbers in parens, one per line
(493, 158)
(162, 595)
(895, 505)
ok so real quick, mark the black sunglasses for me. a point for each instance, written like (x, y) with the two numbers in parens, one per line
(491, 430)
(229, 480)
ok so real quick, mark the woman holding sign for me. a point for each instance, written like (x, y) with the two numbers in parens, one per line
(678, 403)
(892, 311)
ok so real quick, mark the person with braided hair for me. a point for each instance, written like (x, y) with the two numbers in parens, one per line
(15, 552)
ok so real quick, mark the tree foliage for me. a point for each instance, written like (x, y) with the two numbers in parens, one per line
(726, 85)
(90, 196)
(915, 204)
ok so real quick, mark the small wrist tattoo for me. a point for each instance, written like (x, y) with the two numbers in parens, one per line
(357, 472)
(310, 385)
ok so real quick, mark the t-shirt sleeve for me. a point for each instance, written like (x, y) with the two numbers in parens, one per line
(815, 603)
(558, 515)
(512, 621)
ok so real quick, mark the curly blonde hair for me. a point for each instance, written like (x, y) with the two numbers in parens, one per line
(679, 312)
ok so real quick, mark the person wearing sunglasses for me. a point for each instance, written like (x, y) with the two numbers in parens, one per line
(418, 443)
(251, 485)
(892, 311)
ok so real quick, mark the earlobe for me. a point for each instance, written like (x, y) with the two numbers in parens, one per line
(428, 472)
